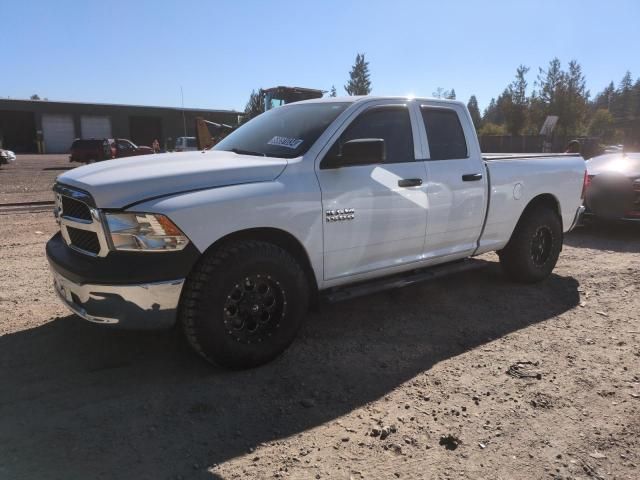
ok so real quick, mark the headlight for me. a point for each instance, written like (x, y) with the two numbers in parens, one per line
(144, 232)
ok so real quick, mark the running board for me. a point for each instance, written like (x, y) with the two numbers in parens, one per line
(338, 294)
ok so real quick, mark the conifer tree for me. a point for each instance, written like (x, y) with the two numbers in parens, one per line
(359, 77)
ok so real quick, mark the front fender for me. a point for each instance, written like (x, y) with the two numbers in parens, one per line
(206, 216)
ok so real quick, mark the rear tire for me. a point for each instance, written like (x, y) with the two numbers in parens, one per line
(243, 304)
(533, 250)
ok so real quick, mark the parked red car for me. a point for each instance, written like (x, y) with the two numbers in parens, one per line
(98, 149)
(126, 148)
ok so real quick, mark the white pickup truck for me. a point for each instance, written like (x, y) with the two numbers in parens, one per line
(322, 198)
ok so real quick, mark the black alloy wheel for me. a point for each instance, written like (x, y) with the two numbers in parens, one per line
(254, 308)
(541, 244)
(534, 247)
(244, 303)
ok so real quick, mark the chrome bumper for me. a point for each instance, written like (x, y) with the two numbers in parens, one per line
(576, 219)
(139, 307)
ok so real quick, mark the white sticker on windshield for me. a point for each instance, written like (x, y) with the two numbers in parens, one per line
(291, 143)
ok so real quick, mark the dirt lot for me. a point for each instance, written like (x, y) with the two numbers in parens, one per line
(411, 383)
(31, 177)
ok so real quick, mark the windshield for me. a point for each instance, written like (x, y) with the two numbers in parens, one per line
(286, 132)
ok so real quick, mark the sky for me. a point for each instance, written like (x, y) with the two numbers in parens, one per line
(143, 52)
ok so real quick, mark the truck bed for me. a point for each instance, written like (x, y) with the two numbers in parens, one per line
(513, 184)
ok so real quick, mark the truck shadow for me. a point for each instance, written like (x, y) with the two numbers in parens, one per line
(81, 401)
(599, 235)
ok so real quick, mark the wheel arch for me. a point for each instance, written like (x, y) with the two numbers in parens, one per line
(275, 236)
(544, 200)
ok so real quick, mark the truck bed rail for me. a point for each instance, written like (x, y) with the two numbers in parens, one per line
(517, 156)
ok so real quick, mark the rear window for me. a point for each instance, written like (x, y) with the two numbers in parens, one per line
(444, 132)
(191, 143)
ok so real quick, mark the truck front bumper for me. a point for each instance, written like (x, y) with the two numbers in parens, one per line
(140, 306)
(126, 289)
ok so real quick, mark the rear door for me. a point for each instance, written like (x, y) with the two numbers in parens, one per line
(372, 221)
(456, 181)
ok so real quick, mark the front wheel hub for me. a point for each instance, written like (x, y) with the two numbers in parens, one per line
(254, 308)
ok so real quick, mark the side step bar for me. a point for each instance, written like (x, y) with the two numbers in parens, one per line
(338, 294)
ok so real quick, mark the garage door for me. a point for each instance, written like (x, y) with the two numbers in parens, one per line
(58, 133)
(95, 127)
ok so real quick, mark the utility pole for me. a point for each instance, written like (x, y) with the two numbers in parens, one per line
(184, 120)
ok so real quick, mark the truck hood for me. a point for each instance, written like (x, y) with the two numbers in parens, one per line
(121, 182)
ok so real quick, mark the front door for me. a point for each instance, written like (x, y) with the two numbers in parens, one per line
(375, 215)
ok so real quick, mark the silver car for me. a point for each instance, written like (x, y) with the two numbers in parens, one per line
(613, 186)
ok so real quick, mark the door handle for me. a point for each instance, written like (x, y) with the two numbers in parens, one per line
(471, 177)
(410, 182)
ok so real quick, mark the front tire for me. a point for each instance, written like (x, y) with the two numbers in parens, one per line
(534, 248)
(243, 304)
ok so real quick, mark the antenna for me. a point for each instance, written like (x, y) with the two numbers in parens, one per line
(184, 120)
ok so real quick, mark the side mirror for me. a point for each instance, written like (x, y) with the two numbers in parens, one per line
(361, 151)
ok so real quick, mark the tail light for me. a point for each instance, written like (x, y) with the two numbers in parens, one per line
(586, 181)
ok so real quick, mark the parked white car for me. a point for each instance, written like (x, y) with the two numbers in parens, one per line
(7, 156)
(186, 144)
(324, 198)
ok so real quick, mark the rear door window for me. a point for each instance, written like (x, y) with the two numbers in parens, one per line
(444, 133)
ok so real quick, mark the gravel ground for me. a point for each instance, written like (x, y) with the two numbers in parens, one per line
(30, 177)
(430, 381)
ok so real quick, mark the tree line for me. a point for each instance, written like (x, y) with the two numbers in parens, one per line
(556, 91)
(562, 92)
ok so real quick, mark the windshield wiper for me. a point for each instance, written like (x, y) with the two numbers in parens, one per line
(240, 151)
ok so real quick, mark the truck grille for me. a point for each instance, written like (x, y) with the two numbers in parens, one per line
(75, 209)
(80, 222)
(84, 240)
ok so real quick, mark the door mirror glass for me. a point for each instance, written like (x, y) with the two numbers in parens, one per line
(361, 151)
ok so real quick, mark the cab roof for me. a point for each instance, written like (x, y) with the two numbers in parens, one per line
(362, 98)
